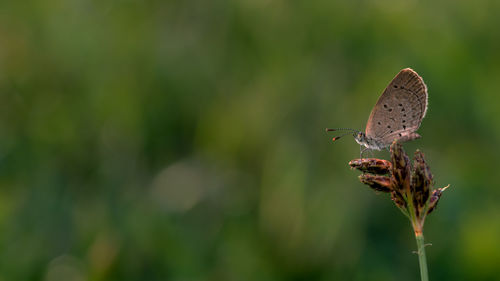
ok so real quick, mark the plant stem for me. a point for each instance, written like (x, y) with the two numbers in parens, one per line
(421, 255)
(418, 228)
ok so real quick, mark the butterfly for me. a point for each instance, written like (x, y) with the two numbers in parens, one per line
(397, 115)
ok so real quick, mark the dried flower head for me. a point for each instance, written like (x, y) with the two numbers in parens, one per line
(436, 195)
(400, 167)
(410, 187)
(421, 180)
(379, 183)
(371, 165)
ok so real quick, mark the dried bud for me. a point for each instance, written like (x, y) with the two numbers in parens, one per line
(400, 167)
(436, 194)
(421, 181)
(398, 199)
(371, 165)
(379, 183)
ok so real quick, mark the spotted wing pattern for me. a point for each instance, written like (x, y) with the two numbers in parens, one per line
(400, 109)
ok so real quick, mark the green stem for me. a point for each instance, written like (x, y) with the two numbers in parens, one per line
(419, 236)
(421, 256)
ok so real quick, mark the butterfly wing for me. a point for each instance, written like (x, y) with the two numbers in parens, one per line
(401, 135)
(400, 109)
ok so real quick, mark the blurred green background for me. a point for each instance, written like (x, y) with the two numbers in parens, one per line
(184, 140)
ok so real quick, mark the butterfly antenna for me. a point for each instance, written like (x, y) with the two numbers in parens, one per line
(340, 129)
(336, 138)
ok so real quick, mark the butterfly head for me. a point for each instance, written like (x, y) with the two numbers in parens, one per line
(360, 138)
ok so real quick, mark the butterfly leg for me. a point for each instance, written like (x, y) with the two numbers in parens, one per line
(361, 151)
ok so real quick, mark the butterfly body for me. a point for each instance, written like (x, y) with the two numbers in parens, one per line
(369, 142)
(378, 143)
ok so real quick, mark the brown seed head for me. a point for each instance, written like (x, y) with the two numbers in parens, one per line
(400, 167)
(436, 195)
(371, 165)
(421, 181)
(398, 199)
(379, 183)
(403, 182)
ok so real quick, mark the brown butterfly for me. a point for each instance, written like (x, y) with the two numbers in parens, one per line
(397, 114)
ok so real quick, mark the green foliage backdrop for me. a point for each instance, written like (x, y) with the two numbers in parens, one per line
(184, 140)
